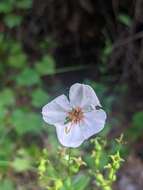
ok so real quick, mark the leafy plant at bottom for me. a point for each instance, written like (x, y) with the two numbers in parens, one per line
(71, 172)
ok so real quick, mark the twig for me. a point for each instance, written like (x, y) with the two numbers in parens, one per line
(128, 40)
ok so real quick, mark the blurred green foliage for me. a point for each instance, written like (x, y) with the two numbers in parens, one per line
(7, 185)
(71, 163)
(125, 19)
(135, 131)
(45, 66)
(22, 94)
(9, 9)
(28, 77)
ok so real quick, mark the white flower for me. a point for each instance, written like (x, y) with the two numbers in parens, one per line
(75, 119)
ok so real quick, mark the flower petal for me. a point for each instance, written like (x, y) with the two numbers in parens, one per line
(56, 110)
(72, 138)
(83, 96)
(93, 123)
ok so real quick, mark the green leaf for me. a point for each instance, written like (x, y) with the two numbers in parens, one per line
(28, 77)
(46, 66)
(12, 20)
(7, 185)
(108, 47)
(21, 164)
(7, 97)
(15, 47)
(3, 112)
(17, 61)
(135, 131)
(17, 58)
(5, 6)
(23, 4)
(39, 97)
(26, 122)
(7, 146)
(125, 19)
(81, 182)
(138, 120)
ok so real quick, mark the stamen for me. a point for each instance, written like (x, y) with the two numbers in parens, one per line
(76, 115)
(68, 129)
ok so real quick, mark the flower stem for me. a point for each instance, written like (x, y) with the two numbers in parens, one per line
(69, 162)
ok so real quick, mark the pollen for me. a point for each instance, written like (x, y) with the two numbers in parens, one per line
(76, 115)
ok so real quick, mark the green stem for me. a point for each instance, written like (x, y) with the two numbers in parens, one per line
(69, 160)
(69, 69)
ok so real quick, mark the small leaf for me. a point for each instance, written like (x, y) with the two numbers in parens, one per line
(39, 97)
(7, 146)
(5, 7)
(135, 130)
(17, 61)
(7, 97)
(81, 182)
(21, 164)
(138, 120)
(28, 77)
(12, 20)
(15, 47)
(125, 19)
(23, 4)
(17, 58)
(26, 122)
(46, 66)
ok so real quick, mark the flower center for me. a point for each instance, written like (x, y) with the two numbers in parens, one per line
(76, 115)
